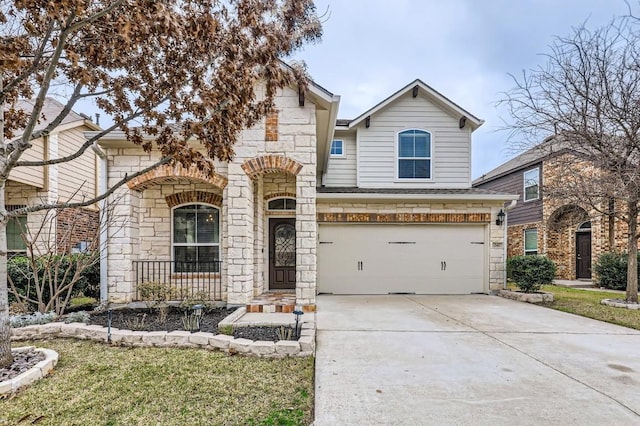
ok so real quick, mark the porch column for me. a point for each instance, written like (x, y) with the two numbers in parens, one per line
(259, 248)
(306, 236)
(239, 236)
(123, 241)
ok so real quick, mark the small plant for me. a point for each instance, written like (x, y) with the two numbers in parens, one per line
(35, 318)
(226, 329)
(163, 314)
(531, 272)
(198, 298)
(284, 333)
(155, 293)
(80, 316)
(190, 322)
(136, 323)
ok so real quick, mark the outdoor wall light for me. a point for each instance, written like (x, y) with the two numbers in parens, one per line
(500, 217)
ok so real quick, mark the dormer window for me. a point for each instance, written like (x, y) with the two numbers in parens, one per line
(337, 148)
(532, 184)
(414, 154)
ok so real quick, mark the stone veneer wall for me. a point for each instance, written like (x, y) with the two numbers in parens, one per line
(242, 197)
(436, 212)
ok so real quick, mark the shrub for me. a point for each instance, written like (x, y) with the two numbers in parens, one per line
(53, 271)
(611, 270)
(531, 272)
(36, 318)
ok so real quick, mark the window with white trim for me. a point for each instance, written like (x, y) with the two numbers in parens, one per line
(337, 148)
(414, 154)
(280, 204)
(196, 238)
(530, 241)
(532, 184)
(16, 227)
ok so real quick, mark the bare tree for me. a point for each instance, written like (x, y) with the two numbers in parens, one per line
(145, 62)
(588, 96)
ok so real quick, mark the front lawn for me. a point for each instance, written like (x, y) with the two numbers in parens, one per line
(97, 384)
(587, 304)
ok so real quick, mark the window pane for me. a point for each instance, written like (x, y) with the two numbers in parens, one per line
(422, 169)
(405, 145)
(207, 225)
(336, 147)
(422, 144)
(276, 204)
(184, 225)
(530, 240)
(184, 254)
(289, 204)
(15, 227)
(405, 168)
(531, 184)
(531, 192)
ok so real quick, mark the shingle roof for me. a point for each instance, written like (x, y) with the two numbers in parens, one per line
(50, 110)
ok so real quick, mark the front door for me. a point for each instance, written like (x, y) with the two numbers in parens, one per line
(583, 255)
(282, 254)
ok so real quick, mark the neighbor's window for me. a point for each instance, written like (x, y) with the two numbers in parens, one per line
(15, 228)
(337, 148)
(414, 154)
(282, 204)
(196, 238)
(532, 184)
(530, 241)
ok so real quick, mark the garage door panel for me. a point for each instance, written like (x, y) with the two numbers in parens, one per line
(382, 259)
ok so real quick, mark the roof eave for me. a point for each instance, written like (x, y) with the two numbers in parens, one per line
(429, 197)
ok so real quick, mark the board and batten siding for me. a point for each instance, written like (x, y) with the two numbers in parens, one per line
(341, 171)
(76, 178)
(513, 183)
(451, 146)
(33, 176)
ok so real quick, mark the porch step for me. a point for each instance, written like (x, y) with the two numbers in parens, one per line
(277, 302)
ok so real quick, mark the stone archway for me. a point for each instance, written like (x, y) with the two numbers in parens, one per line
(562, 239)
(174, 174)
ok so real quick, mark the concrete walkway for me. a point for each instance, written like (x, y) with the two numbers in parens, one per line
(470, 360)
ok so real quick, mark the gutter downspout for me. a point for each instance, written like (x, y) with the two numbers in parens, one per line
(506, 248)
(102, 183)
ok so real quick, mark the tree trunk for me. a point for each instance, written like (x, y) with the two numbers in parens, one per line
(6, 359)
(632, 260)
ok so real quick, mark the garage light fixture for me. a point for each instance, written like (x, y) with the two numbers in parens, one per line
(500, 217)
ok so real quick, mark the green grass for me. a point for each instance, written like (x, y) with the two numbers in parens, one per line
(587, 304)
(98, 384)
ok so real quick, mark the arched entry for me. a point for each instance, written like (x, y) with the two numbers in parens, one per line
(583, 251)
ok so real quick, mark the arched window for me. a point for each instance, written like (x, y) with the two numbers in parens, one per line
(414, 154)
(280, 204)
(585, 226)
(196, 238)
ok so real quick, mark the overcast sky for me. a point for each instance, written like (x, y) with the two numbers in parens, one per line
(462, 48)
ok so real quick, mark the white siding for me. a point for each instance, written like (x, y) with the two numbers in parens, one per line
(451, 146)
(33, 176)
(341, 171)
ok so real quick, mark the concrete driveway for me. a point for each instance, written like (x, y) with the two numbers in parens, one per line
(420, 360)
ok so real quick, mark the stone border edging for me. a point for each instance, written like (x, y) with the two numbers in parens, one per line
(526, 297)
(305, 346)
(617, 304)
(35, 373)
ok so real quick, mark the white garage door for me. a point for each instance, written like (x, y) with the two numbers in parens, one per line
(382, 259)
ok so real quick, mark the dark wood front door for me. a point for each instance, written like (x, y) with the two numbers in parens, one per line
(583, 255)
(282, 254)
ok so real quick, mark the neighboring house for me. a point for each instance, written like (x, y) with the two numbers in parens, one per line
(64, 230)
(310, 204)
(572, 236)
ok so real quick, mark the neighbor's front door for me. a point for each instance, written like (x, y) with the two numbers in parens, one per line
(282, 254)
(583, 255)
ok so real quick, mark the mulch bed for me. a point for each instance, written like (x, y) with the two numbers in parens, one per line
(269, 334)
(150, 320)
(22, 361)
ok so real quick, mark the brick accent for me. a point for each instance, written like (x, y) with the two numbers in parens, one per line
(271, 164)
(271, 127)
(74, 226)
(406, 217)
(173, 174)
(194, 197)
(279, 195)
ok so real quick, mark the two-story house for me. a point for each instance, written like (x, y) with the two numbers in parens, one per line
(573, 236)
(379, 204)
(74, 181)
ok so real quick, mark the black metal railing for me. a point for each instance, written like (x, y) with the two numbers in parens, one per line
(184, 279)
